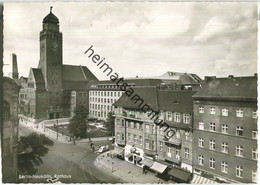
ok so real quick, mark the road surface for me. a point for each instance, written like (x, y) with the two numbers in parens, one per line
(73, 162)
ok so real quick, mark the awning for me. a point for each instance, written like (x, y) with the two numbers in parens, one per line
(197, 179)
(174, 142)
(138, 159)
(129, 155)
(118, 151)
(158, 167)
(180, 174)
(147, 162)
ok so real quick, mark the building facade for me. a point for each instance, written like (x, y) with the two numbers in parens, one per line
(145, 143)
(10, 130)
(225, 129)
(103, 94)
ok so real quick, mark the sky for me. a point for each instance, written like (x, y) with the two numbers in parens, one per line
(140, 39)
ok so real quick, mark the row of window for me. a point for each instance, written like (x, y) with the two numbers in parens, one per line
(177, 117)
(224, 167)
(177, 152)
(224, 148)
(105, 93)
(98, 114)
(102, 100)
(101, 107)
(224, 129)
(224, 112)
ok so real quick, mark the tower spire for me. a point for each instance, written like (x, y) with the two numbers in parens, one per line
(51, 9)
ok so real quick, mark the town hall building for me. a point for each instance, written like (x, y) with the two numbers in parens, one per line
(53, 89)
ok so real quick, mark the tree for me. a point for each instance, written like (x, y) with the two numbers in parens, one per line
(33, 147)
(77, 126)
(110, 123)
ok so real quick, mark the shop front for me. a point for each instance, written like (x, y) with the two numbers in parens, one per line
(134, 155)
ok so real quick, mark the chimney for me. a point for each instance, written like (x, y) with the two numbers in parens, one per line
(255, 74)
(15, 73)
(230, 76)
(209, 78)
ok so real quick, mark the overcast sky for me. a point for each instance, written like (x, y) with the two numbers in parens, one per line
(140, 39)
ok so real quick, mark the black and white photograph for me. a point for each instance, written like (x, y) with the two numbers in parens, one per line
(129, 92)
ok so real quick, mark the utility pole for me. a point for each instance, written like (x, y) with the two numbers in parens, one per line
(57, 116)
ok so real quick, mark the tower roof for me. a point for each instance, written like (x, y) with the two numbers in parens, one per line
(50, 17)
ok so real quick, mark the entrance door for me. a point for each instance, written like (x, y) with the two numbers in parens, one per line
(51, 115)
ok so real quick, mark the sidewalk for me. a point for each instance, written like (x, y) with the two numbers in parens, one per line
(41, 128)
(125, 170)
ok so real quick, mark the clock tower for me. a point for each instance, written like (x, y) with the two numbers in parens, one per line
(51, 52)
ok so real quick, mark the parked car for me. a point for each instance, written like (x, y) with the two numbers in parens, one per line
(103, 149)
(111, 139)
(54, 180)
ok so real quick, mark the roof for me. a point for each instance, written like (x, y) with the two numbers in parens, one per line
(50, 18)
(232, 88)
(147, 94)
(76, 77)
(169, 100)
(39, 79)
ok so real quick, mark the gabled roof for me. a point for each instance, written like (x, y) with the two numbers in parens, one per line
(180, 101)
(229, 88)
(167, 100)
(38, 76)
(148, 94)
(76, 77)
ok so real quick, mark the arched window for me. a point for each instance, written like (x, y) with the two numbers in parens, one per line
(6, 111)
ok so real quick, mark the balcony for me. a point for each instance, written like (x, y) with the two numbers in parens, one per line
(149, 151)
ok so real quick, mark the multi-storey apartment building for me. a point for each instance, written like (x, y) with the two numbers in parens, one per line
(10, 130)
(146, 144)
(225, 129)
(103, 94)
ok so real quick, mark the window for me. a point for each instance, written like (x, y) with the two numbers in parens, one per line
(140, 140)
(129, 137)
(254, 154)
(169, 151)
(224, 167)
(254, 134)
(212, 145)
(239, 151)
(239, 171)
(254, 176)
(177, 152)
(224, 129)
(153, 145)
(239, 131)
(161, 130)
(186, 153)
(186, 118)
(178, 134)
(147, 128)
(200, 160)
(212, 127)
(177, 117)
(147, 144)
(224, 147)
(254, 114)
(212, 110)
(118, 137)
(201, 109)
(135, 138)
(212, 163)
(161, 145)
(169, 116)
(201, 126)
(187, 135)
(225, 112)
(123, 137)
(201, 142)
(239, 113)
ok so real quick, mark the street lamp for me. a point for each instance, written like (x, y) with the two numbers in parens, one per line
(57, 117)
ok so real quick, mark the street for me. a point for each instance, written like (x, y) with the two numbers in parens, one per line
(75, 160)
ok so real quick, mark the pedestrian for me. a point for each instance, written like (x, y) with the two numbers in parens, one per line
(93, 148)
(144, 170)
(74, 141)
